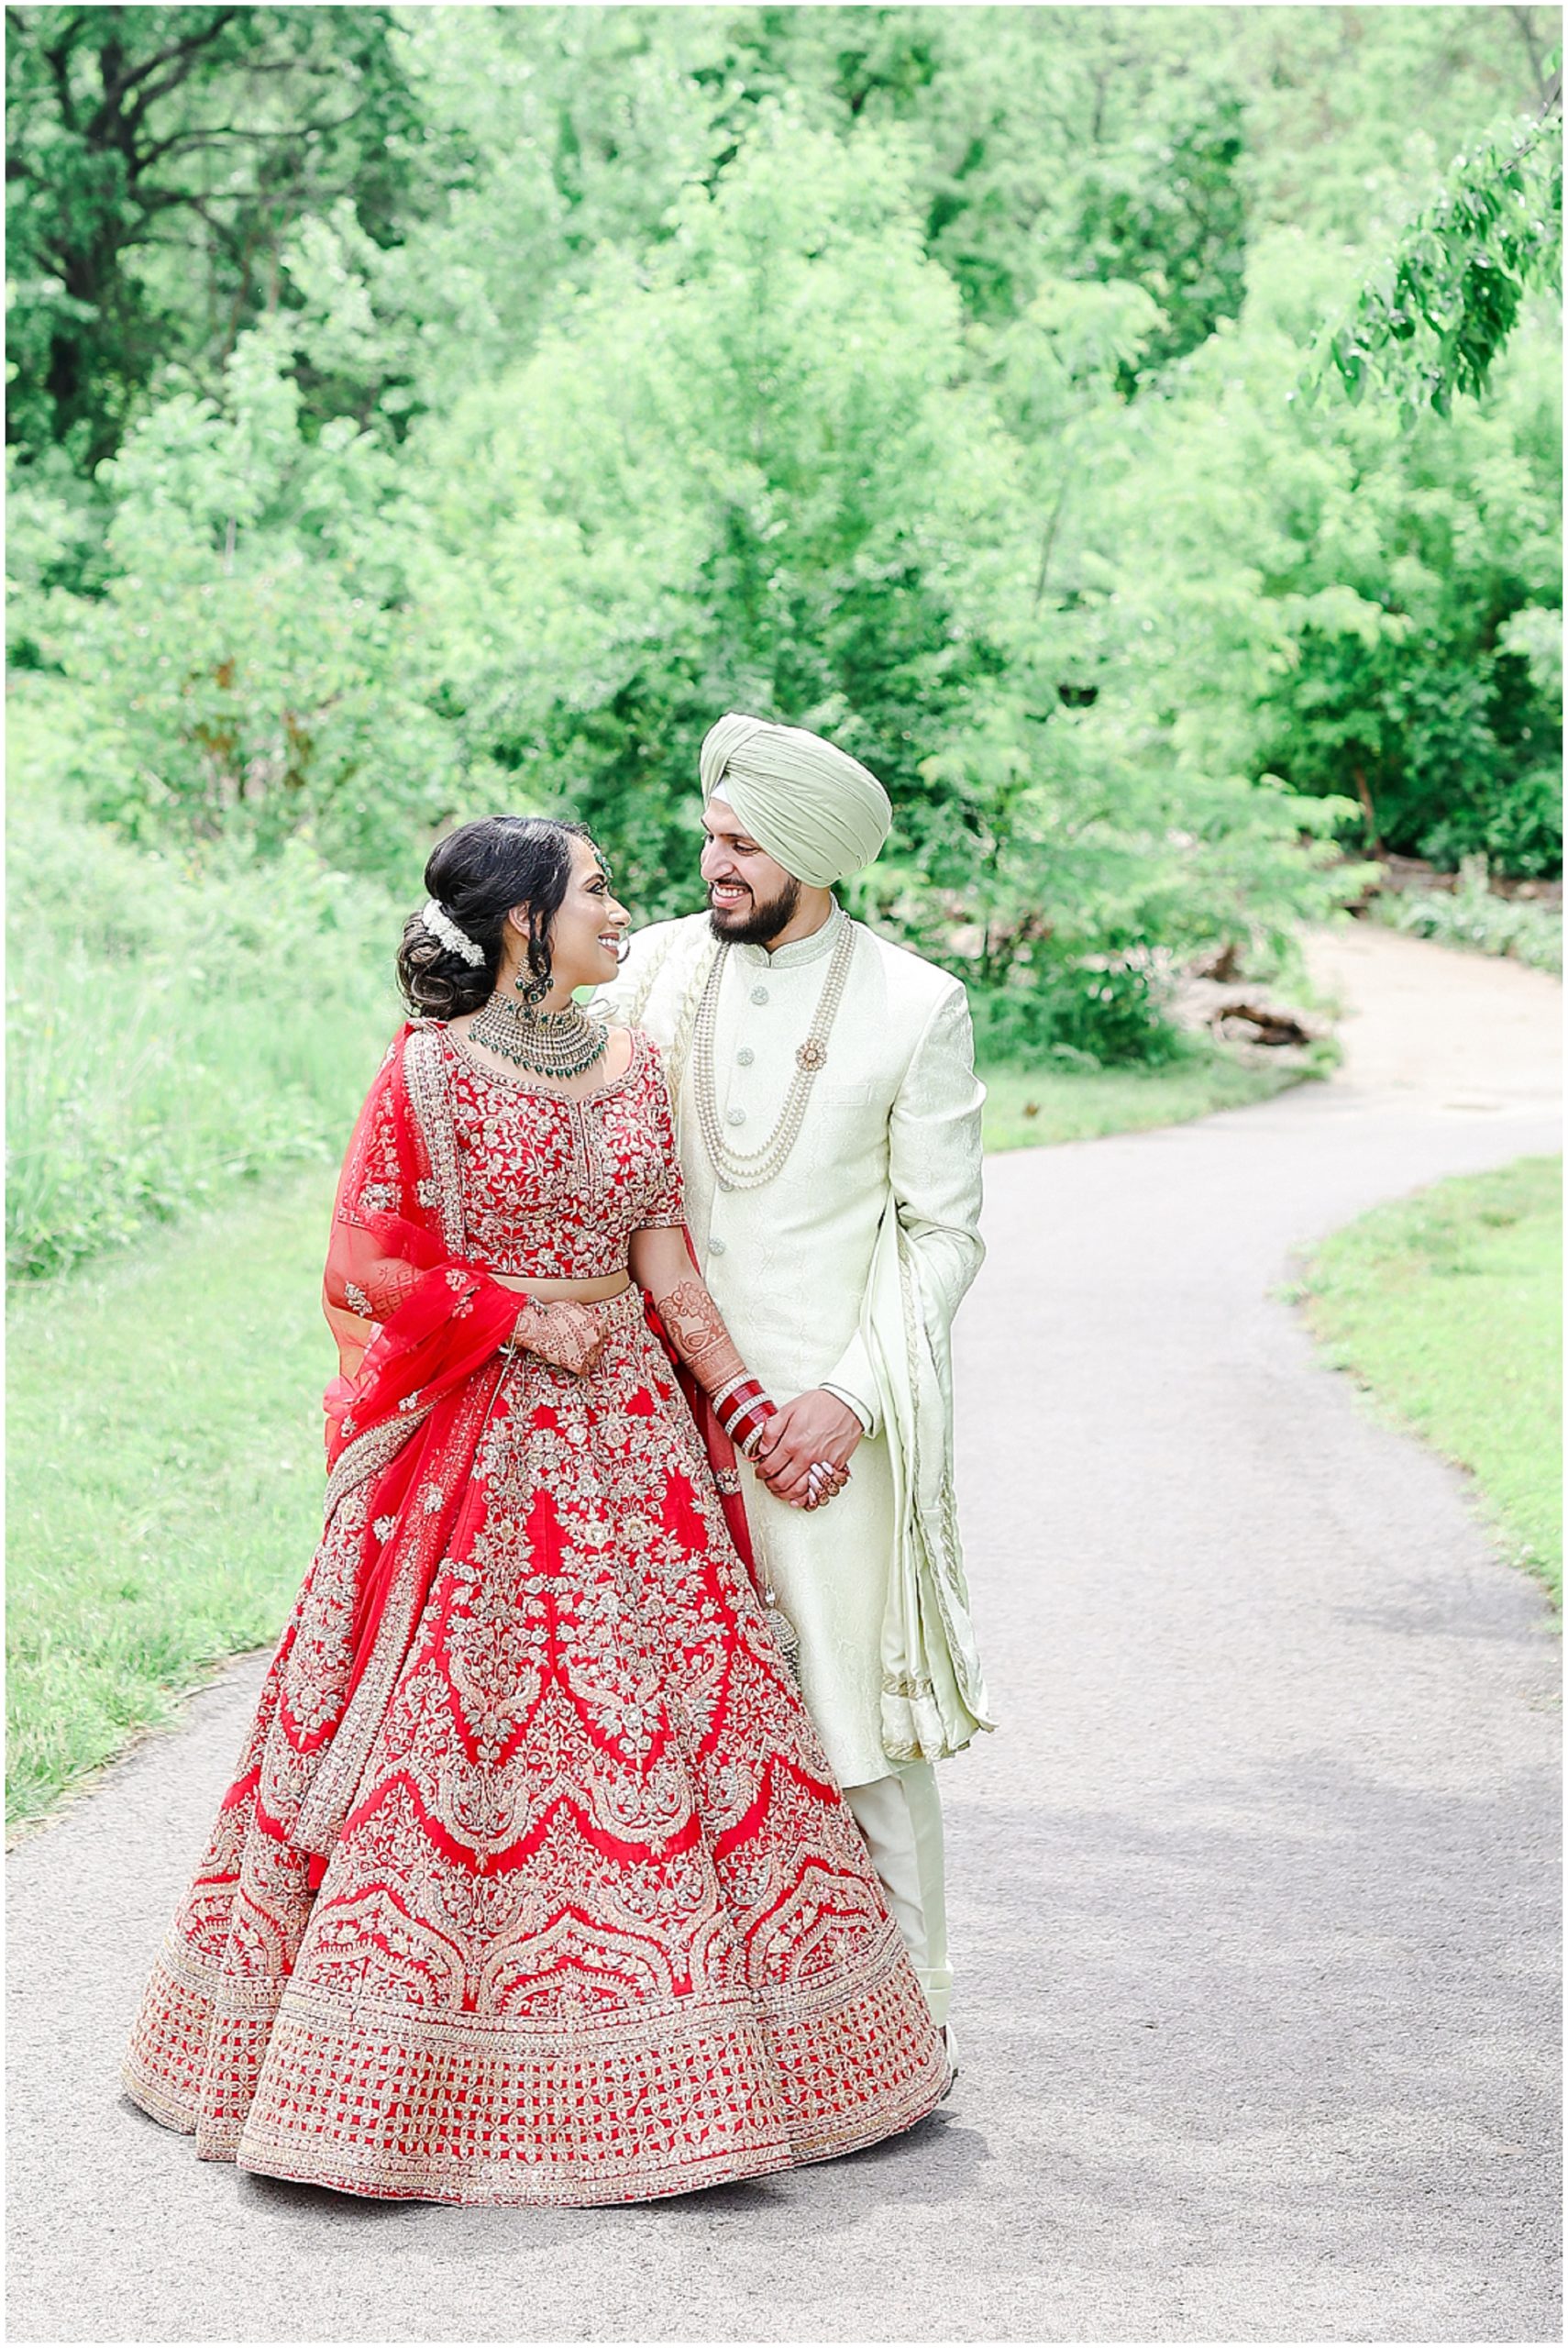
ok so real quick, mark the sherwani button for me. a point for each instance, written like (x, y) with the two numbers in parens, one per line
(716, 1247)
(759, 994)
(745, 1056)
(736, 1116)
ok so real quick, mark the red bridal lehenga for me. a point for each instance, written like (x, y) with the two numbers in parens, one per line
(533, 1884)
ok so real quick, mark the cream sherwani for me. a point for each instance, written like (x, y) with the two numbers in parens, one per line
(879, 1198)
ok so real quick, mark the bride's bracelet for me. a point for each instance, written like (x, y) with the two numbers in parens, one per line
(742, 1410)
(528, 1326)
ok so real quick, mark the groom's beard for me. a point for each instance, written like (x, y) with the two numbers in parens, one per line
(758, 924)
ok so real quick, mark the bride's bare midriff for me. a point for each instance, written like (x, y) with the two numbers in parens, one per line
(567, 1292)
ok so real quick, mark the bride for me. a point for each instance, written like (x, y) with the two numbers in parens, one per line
(532, 1884)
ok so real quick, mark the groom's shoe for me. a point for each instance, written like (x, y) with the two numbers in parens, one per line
(950, 2040)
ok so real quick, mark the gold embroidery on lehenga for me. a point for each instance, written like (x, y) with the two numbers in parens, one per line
(593, 1921)
(366, 1456)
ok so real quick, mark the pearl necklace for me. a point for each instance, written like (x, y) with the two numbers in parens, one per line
(749, 1172)
(547, 1043)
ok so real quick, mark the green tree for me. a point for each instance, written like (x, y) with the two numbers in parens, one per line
(763, 472)
(748, 474)
(1168, 213)
(254, 664)
(1049, 141)
(1352, 113)
(1312, 592)
(920, 374)
(158, 158)
(1431, 319)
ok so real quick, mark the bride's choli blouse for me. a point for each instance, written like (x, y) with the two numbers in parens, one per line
(553, 1188)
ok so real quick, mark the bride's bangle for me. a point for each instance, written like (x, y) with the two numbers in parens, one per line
(742, 1410)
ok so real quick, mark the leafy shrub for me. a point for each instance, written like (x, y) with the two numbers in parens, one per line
(176, 1026)
(253, 652)
(1438, 737)
(1106, 1012)
(1471, 915)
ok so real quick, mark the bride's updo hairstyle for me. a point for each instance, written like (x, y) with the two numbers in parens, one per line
(450, 956)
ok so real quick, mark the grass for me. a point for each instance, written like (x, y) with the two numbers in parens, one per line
(1027, 1107)
(1447, 1307)
(164, 1473)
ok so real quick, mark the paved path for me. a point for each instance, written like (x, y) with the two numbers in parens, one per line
(1252, 1898)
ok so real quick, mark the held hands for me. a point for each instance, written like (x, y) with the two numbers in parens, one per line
(802, 1453)
(566, 1334)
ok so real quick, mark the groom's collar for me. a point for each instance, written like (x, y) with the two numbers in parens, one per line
(800, 951)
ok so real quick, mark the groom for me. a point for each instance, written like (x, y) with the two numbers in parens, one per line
(829, 1123)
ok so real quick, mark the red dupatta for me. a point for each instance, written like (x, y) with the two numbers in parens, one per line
(411, 1315)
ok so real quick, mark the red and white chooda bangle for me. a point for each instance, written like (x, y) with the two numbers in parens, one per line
(742, 1410)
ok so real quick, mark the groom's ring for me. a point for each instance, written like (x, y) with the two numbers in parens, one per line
(824, 1477)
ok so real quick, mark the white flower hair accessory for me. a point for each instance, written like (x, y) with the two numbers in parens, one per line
(456, 941)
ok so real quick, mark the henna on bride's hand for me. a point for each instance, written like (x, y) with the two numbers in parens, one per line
(697, 1331)
(582, 1338)
(563, 1333)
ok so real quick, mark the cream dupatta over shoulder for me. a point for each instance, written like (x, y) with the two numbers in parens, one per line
(845, 1269)
(933, 1695)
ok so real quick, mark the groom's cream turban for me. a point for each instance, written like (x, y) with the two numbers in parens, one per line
(818, 811)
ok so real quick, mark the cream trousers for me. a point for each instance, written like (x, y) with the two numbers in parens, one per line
(901, 1817)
